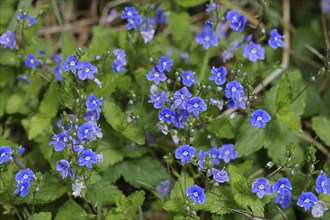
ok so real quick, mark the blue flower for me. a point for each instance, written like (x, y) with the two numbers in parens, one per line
(275, 40)
(195, 105)
(63, 166)
(325, 6)
(282, 186)
(120, 61)
(24, 78)
(236, 21)
(181, 97)
(234, 90)
(215, 157)
(196, 194)
(20, 150)
(92, 115)
(164, 63)
(164, 187)
(5, 154)
(233, 103)
(213, 6)
(156, 75)
(319, 208)
(132, 16)
(218, 75)
(221, 31)
(72, 64)
(227, 152)
(22, 188)
(220, 176)
(58, 73)
(31, 61)
(323, 184)
(188, 78)
(60, 140)
(160, 18)
(93, 103)
(85, 131)
(283, 199)
(180, 117)
(207, 37)
(254, 52)
(307, 200)
(88, 157)
(229, 52)
(259, 118)
(7, 39)
(87, 70)
(217, 103)
(20, 16)
(31, 20)
(166, 115)
(78, 146)
(201, 156)
(185, 153)
(158, 100)
(24, 175)
(262, 187)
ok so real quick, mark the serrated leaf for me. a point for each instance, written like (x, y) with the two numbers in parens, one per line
(291, 120)
(179, 190)
(102, 192)
(298, 93)
(42, 216)
(14, 103)
(221, 128)
(143, 169)
(176, 204)
(250, 202)
(49, 105)
(214, 204)
(127, 206)
(284, 94)
(321, 125)
(249, 139)
(37, 125)
(71, 210)
(238, 181)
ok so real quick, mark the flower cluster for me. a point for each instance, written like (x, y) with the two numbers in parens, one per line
(234, 92)
(24, 178)
(132, 16)
(7, 39)
(25, 18)
(5, 154)
(120, 61)
(207, 37)
(283, 189)
(83, 69)
(236, 20)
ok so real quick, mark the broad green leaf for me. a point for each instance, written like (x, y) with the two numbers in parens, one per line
(42, 216)
(8, 57)
(321, 126)
(299, 95)
(14, 104)
(221, 128)
(113, 115)
(190, 3)
(102, 193)
(144, 169)
(71, 210)
(7, 75)
(175, 204)
(250, 202)
(4, 97)
(49, 105)
(238, 181)
(249, 139)
(284, 94)
(215, 204)
(37, 125)
(291, 120)
(134, 133)
(179, 190)
(179, 24)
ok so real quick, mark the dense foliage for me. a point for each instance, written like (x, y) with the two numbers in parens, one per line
(181, 109)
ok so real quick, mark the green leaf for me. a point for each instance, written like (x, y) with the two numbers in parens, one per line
(238, 181)
(49, 105)
(102, 193)
(190, 3)
(71, 210)
(249, 139)
(178, 24)
(37, 125)
(42, 216)
(291, 120)
(4, 97)
(145, 169)
(214, 204)
(14, 104)
(8, 58)
(179, 190)
(176, 204)
(321, 126)
(284, 94)
(221, 128)
(250, 202)
(298, 93)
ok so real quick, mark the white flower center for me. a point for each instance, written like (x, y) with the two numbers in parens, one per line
(261, 186)
(86, 70)
(206, 38)
(233, 89)
(25, 176)
(227, 152)
(3, 154)
(196, 105)
(22, 187)
(182, 96)
(307, 200)
(8, 39)
(31, 60)
(282, 186)
(188, 77)
(156, 74)
(254, 51)
(158, 97)
(86, 131)
(65, 139)
(87, 158)
(72, 63)
(259, 118)
(185, 153)
(167, 115)
(129, 13)
(275, 38)
(164, 63)
(195, 194)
